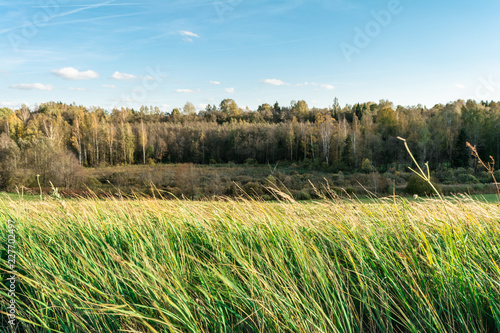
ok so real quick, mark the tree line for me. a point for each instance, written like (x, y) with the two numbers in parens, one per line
(54, 140)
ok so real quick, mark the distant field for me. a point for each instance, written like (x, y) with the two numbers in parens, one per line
(395, 265)
(201, 182)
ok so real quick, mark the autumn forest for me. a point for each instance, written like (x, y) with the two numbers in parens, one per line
(55, 140)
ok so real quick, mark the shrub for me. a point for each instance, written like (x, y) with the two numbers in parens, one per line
(484, 177)
(174, 191)
(478, 188)
(303, 195)
(267, 197)
(231, 190)
(367, 166)
(417, 185)
(446, 176)
(253, 188)
(251, 161)
(466, 178)
(497, 175)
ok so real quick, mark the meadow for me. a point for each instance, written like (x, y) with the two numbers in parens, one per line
(147, 265)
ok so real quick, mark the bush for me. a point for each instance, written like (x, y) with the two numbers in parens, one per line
(466, 178)
(231, 190)
(174, 192)
(303, 195)
(417, 185)
(270, 179)
(367, 166)
(497, 175)
(446, 176)
(267, 197)
(253, 189)
(485, 177)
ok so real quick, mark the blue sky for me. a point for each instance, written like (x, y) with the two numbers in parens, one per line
(128, 53)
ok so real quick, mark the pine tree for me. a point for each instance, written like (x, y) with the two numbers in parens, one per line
(461, 154)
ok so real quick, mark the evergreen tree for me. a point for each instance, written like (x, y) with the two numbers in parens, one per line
(348, 155)
(461, 154)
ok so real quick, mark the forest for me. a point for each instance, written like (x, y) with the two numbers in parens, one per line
(55, 141)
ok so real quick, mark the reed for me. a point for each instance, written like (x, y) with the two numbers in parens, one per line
(247, 266)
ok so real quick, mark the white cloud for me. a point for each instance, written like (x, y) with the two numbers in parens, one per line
(229, 90)
(78, 89)
(188, 34)
(327, 86)
(185, 91)
(202, 106)
(314, 84)
(460, 86)
(32, 86)
(71, 73)
(123, 76)
(275, 82)
(215, 82)
(109, 86)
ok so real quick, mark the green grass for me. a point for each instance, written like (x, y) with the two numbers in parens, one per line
(247, 266)
(491, 198)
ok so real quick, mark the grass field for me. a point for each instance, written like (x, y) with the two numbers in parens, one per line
(392, 265)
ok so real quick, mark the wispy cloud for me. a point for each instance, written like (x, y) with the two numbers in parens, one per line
(109, 86)
(32, 86)
(71, 73)
(107, 4)
(123, 76)
(92, 19)
(327, 86)
(215, 82)
(460, 86)
(74, 11)
(275, 82)
(185, 91)
(188, 35)
(78, 89)
(229, 90)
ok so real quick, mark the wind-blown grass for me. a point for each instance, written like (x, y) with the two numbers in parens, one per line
(248, 266)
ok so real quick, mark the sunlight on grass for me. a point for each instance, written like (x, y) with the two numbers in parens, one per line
(392, 265)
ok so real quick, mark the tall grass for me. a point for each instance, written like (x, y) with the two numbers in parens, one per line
(249, 266)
